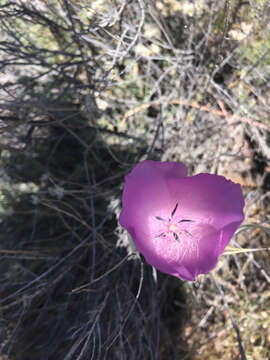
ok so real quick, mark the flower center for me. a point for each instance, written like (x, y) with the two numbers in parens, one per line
(173, 229)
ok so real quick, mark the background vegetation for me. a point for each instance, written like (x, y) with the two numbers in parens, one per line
(87, 89)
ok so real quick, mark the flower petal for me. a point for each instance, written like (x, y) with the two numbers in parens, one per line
(146, 192)
(210, 199)
(185, 259)
(157, 198)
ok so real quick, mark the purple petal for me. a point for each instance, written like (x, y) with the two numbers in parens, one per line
(155, 191)
(146, 191)
(210, 199)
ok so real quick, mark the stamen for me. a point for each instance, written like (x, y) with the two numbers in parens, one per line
(160, 235)
(176, 237)
(160, 218)
(174, 210)
(187, 232)
(185, 220)
(170, 228)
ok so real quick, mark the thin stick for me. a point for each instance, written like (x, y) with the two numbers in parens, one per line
(240, 345)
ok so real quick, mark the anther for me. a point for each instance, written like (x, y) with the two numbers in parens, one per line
(160, 218)
(160, 235)
(185, 220)
(176, 237)
(174, 210)
(187, 232)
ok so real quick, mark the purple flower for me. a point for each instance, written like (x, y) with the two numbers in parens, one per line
(181, 224)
